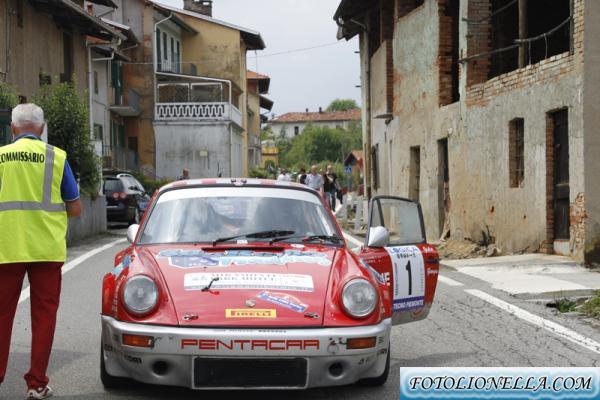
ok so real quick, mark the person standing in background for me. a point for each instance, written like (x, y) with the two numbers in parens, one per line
(302, 176)
(330, 186)
(314, 180)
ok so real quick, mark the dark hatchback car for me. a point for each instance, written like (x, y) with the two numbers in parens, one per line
(126, 199)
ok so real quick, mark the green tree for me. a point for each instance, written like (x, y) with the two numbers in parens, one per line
(66, 115)
(8, 97)
(342, 105)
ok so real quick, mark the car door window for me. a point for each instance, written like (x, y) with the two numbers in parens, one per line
(402, 218)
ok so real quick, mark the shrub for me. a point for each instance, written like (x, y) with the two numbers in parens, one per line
(66, 115)
(8, 97)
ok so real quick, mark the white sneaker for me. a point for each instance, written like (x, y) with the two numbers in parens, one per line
(39, 393)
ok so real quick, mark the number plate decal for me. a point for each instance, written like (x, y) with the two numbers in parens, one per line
(409, 277)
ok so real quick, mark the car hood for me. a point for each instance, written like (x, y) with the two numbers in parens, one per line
(251, 286)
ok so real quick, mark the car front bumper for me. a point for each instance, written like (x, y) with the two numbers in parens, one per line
(170, 361)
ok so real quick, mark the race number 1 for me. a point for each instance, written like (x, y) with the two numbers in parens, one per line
(409, 277)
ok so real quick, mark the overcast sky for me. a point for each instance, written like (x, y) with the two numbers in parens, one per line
(304, 79)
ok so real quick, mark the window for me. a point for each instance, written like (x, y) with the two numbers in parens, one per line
(165, 47)
(449, 52)
(178, 57)
(510, 23)
(516, 152)
(173, 59)
(415, 173)
(296, 130)
(96, 82)
(44, 79)
(158, 48)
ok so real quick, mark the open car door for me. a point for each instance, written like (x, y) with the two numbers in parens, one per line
(397, 248)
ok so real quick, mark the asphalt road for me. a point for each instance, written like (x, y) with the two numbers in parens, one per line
(462, 330)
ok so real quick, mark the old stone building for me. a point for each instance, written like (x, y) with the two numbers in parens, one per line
(484, 111)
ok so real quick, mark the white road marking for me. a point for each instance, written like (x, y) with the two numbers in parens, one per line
(25, 293)
(448, 281)
(550, 326)
(352, 239)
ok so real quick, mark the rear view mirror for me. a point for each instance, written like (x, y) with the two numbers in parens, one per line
(132, 232)
(378, 237)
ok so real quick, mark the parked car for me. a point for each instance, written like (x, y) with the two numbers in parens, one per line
(248, 284)
(126, 198)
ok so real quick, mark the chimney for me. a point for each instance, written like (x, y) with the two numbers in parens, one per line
(320, 109)
(307, 110)
(200, 6)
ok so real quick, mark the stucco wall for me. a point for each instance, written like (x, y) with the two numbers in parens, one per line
(203, 148)
(91, 222)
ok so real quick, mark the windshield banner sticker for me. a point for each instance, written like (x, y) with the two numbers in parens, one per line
(198, 258)
(284, 300)
(248, 280)
(409, 277)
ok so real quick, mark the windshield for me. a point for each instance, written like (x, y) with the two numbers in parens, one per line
(205, 215)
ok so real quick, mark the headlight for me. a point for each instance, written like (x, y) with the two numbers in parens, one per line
(140, 295)
(359, 298)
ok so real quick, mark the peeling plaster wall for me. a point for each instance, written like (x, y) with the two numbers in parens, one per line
(477, 129)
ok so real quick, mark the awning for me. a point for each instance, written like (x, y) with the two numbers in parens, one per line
(265, 103)
(108, 3)
(69, 14)
(124, 29)
(346, 12)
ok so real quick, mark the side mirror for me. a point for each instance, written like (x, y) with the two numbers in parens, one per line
(378, 237)
(132, 232)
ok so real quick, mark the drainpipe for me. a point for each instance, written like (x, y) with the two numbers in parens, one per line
(230, 150)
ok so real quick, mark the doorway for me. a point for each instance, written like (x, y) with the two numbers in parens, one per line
(443, 188)
(561, 197)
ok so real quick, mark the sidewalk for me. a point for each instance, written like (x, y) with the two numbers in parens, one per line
(531, 276)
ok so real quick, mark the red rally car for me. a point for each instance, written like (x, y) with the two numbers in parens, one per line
(236, 284)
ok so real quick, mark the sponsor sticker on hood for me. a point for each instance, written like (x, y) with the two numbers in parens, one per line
(199, 258)
(248, 280)
(284, 300)
(244, 313)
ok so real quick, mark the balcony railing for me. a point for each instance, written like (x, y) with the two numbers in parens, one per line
(198, 101)
(198, 112)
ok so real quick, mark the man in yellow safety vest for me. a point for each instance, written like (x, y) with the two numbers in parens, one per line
(37, 193)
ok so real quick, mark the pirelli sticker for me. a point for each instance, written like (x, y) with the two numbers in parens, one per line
(254, 313)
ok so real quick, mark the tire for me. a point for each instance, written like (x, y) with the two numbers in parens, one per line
(108, 381)
(381, 379)
(136, 217)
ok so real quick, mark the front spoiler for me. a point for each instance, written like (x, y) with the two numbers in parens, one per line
(178, 347)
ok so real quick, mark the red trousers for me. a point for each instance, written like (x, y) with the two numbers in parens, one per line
(44, 285)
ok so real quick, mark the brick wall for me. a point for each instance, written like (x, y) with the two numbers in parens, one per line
(480, 90)
(478, 40)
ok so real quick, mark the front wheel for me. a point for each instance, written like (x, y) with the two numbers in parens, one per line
(381, 379)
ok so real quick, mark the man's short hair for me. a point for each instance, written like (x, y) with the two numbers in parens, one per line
(27, 114)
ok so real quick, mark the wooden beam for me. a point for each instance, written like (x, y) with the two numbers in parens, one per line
(523, 33)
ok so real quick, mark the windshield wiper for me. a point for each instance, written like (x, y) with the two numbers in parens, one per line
(255, 235)
(328, 238)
